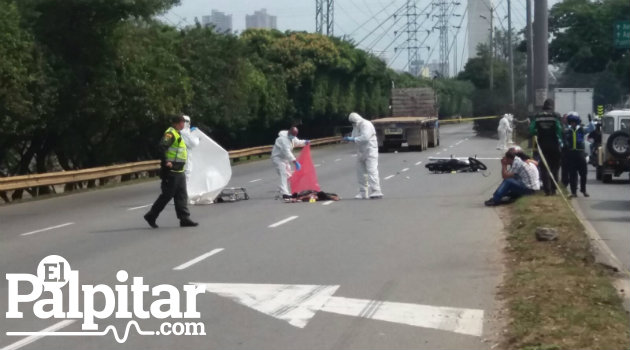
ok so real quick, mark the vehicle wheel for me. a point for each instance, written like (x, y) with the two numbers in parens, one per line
(382, 149)
(607, 178)
(476, 164)
(617, 144)
(598, 172)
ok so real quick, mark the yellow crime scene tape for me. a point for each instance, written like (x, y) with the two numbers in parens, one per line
(456, 120)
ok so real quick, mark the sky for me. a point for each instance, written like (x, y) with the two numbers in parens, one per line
(370, 23)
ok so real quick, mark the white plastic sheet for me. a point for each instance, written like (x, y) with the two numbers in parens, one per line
(211, 170)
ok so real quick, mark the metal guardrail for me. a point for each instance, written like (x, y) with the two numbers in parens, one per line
(64, 177)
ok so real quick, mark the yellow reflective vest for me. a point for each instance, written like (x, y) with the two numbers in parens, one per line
(176, 152)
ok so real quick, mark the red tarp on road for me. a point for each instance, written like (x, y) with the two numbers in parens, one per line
(306, 178)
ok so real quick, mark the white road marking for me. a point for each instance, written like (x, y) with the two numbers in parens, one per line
(338, 159)
(463, 321)
(489, 158)
(31, 338)
(140, 207)
(281, 222)
(198, 259)
(389, 177)
(255, 180)
(444, 150)
(438, 153)
(451, 146)
(297, 304)
(405, 169)
(327, 203)
(418, 163)
(355, 155)
(317, 165)
(47, 229)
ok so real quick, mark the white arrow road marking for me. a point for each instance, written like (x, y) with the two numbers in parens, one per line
(47, 229)
(297, 304)
(463, 321)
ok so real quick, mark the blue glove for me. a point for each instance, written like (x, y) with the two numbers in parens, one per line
(307, 142)
(298, 166)
(348, 139)
(193, 128)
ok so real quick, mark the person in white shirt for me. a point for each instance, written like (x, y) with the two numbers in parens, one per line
(522, 177)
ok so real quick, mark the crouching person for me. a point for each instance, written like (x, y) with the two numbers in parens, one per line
(520, 179)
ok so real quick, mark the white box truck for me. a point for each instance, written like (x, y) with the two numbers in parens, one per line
(574, 99)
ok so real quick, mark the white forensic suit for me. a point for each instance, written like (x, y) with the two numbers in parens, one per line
(282, 156)
(504, 130)
(191, 142)
(510, 134)
(364, 135)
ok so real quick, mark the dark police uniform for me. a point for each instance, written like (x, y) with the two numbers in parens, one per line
(173, 179)
(546, 126)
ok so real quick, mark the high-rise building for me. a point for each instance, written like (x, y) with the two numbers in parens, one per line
(478, 24)
(260, 19)
(222, 23)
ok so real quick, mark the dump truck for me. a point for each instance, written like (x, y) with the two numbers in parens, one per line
(413, 121)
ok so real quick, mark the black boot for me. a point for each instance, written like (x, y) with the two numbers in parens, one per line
(187, 223)
(150, 220)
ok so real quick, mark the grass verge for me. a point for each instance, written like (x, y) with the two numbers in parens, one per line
(557, 296)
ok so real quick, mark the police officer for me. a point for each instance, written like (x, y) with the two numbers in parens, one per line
(546, 126)
(173, 161)
(574, 137)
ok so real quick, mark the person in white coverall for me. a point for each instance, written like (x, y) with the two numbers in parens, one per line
(191, 142)
(504, 130)
(364, 135)
(282, 157)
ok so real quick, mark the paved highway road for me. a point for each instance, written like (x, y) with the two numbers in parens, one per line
(608, 210)
(417, 269)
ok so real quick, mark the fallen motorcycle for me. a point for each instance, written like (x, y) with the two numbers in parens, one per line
(460, 165)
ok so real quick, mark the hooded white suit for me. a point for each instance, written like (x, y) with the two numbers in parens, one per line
(191, 142)
(364, 136)
(504, 130)
(282, 156)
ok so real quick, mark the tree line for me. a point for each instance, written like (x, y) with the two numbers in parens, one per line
(91, 83)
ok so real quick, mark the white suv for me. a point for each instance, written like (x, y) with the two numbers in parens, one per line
(614, 152)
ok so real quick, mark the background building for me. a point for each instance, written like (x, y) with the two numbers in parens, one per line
(221, 21)
(260, 19)
(478, 26)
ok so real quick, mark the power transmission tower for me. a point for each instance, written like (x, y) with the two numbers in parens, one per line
(325, 16)
(412, 44)
(445, 11)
